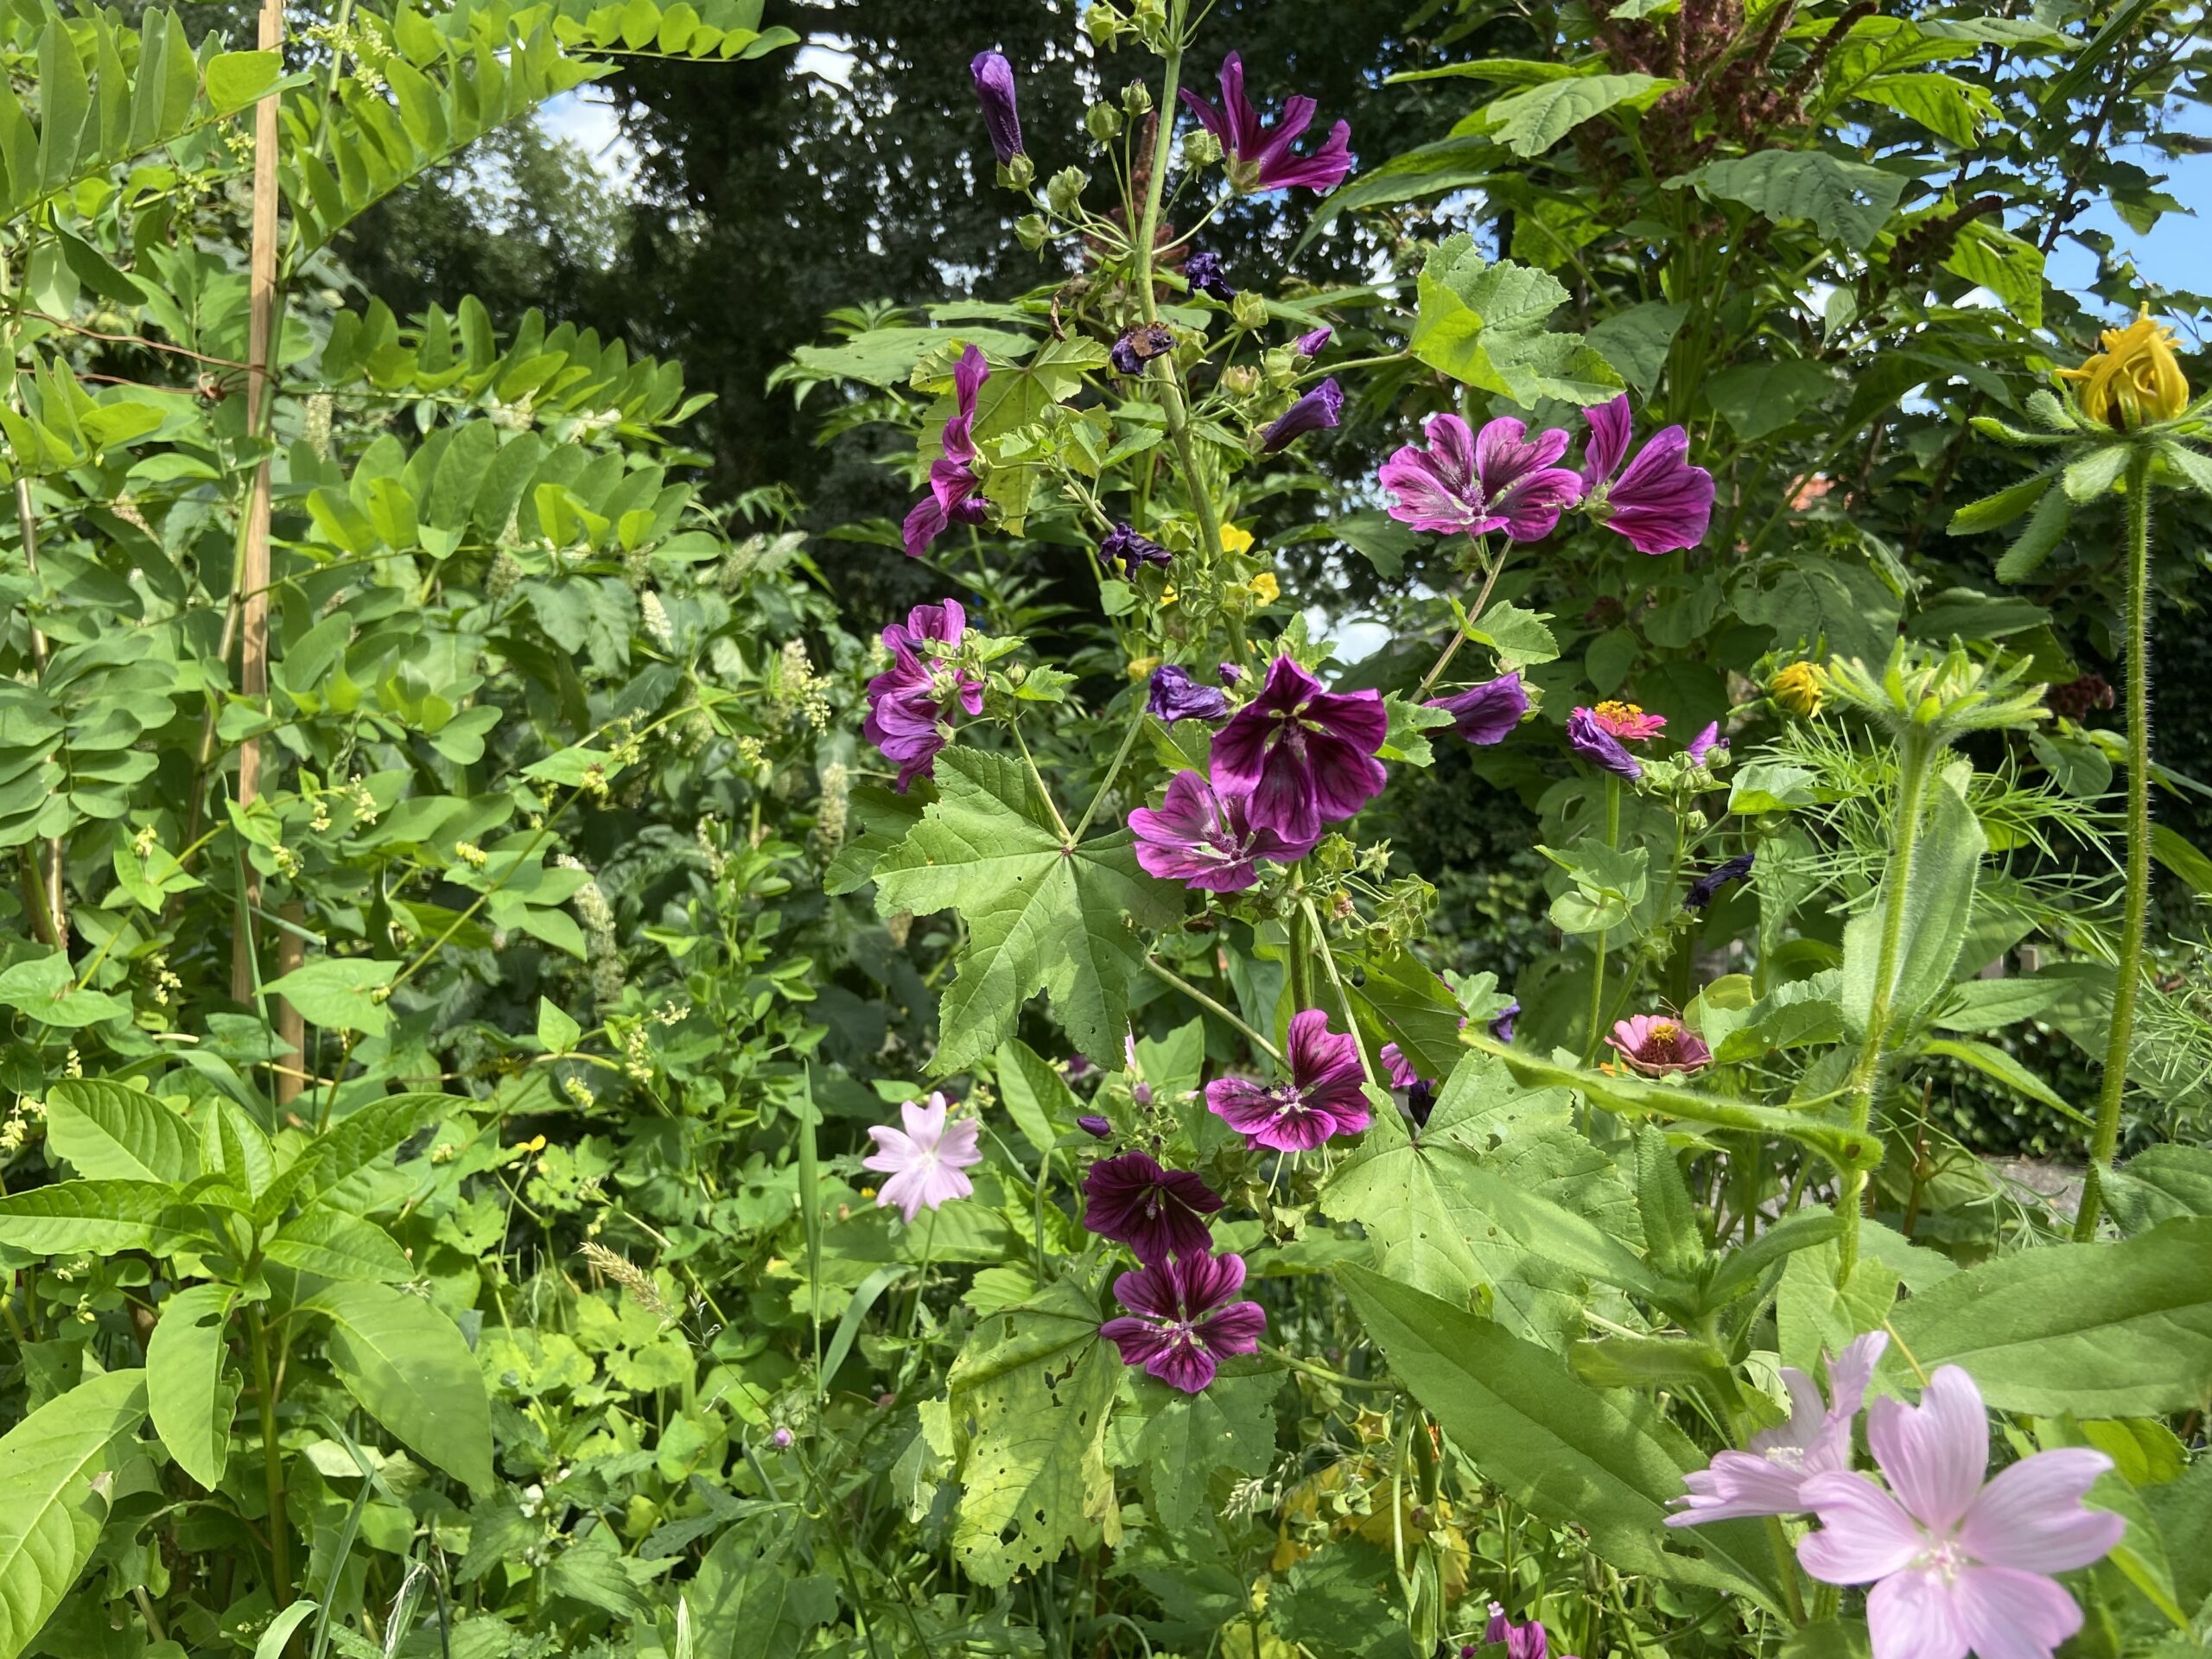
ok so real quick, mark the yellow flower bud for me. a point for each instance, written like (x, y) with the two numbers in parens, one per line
(1140, 668)
(2135, 380)
(1799, 687)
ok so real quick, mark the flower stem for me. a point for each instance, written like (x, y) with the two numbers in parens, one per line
(1598, 962)
(1343, 1001)
(1120, 758)
(1169, 976)
(2127, 982)
(1038, 779)
(1482, 597)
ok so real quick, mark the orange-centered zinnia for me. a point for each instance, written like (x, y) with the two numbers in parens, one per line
(2135, 379)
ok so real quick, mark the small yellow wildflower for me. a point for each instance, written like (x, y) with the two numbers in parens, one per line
(1264, 588)
(1141, 667)
(2135, 379)
(1234, 539)
(1800, 688)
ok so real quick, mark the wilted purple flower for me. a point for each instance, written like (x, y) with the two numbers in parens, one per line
(909, 702)
(1767, 1477)
(1488, 713)
(1156, 1212)
(1321, 407)
(1706, 742)
(1229, 673)
(995, 87)
(1204, 840)
(1204, 273)
(1305, 754)
(925, 1159)
(1094, 1126)
(952, 478)
(1657, 1046)
(1593, 742)
(1076, 1067)
(1322, 1099)
(1259, 161)
(1140, 345)
(1707, 887)
(1181, 1322)
(1176, 695)
(1501, 1023)
(1501, 478)
(1124, 546)
(1661, 503)
(1957, 1564)
(1314, 344)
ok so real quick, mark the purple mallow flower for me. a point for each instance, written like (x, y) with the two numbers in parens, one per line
(1526, 1641)
(1204, 273)
(910, 701)
(1305, 754)
(1322, 407)
(1768, 1476)
(1258, 160)
(1661, 503)
(1486, 714)
(1500, 478)
(1658, 1046)
(1398, 1067)
(1314, 344)
(1156, 1212)
(1094, 1126)
(1203, 840)
(1140, 345)
(1124, 546)
(1229, 673)
(953, 482)
(1589, 739)
(994, 90)
(1707, 887)
(1176, 695)
(1181, 1321)
(1706, 742)
(1956, 1564)
(925, 1159)
(1501, 1023)
(1322, 1099)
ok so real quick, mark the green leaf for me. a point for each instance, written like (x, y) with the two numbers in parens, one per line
(1180, 1439)
(408, 1366)
(1483, 324)
(1771, 786)
(1992, 258)
(108, 1131)
(1938, 904)
(2098, 1330)
(45, 988)
(1037, 1098)
(2195, 469)
(1519, 637)
(50, 1517)
(1757, 399)
(1040, 915)
(1992, 1004)
(555, 1029)
(2091, 475)
(749, 1600)
(273, 1640)
(100, 1216)
(1635, 341)
(191, 1397)
(1846, 201)
(1403, 1001)
(1531, 121)
(2159, 1184)
(339, 993)
(2038, 538)
(237, 79)
(1607, 1462)
(364, 1136)
(1946, 106)
(1993, 1062)
(2002, 508)
(332, 1244)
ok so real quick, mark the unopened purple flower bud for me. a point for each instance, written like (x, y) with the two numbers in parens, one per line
(1141, 1094)
(1094, 1126)
(1314, 344)
(1501, 1024)
(781, 1440)
(1321, 407)
(994, 90)
(1204, 273)
(1230, 674)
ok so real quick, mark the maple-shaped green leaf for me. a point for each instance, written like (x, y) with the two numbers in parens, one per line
(1024, 1425)
(1847, 201)
(1013, 398)
(1483, 323)
(1177, 1442)
(1041, 914)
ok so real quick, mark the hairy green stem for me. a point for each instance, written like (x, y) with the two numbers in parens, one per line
(272, 1463)
(1167, 975)
(1598, 962)
(2128, 971)
(1343, 1000)
(1113, 772)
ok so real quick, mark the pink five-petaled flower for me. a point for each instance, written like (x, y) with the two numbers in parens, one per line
(1303, 753)
(1500, 480)
(1661, 503)
(925, 1159)
(1768, 1476)
(1488, 713)
(1957, 1565)
(952, 476)
(1656, 1045)
(909, 702)
(1181, 1322)
(1259, 161)
(1156, 1212)
(1203, 840)
(1322, 1099)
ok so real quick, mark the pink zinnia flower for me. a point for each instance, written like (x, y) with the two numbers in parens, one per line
(1261, 162)
(1767, 1477)
(1661, 503)
(1958, 1565)
(952, 478)
(1501, 480)
(1656, 1045)
(910, 701)
(925, 1159)
(1303, 753)
(1627, 721)
(1322, 1099)
(1488, 713)
(1181, 1322)
(1203, 839)
(1156, 1212)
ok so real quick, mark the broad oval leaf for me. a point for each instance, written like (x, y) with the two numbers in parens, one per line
(103, 1215)
(332, 1244)
(108, 1131)
(189, 1395)
(49, 1519)
(408, 1366)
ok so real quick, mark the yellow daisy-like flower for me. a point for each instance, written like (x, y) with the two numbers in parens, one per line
(2135, 380)
(1141, 667)
(1800, 688)
(1235, 540)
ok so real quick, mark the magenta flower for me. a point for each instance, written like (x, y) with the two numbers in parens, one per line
(1661, 503)
(994, 90)
(1627, 721)
(1259, 161)
(1589, 739)
(1095, 1126)
(926, 1159)
(1314, 344)
(1399, 1068)
(1767, 1477)
(1488, 713)
(910, 701)
(1181, 1322)
(1156, 1212)
(1957, 1565)
(1305, 754)
(1501, 1023)
(1526, 1641)
(1501, 480)
(953, 482)
(1656, 1046)
(1204, 839)
(1320, 408)
(1322, 1099)
(943, 622)
(1176, 695)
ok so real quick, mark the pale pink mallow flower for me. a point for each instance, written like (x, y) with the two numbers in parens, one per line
(925, 1159)
(1768, 1476)
(1958, 1565)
